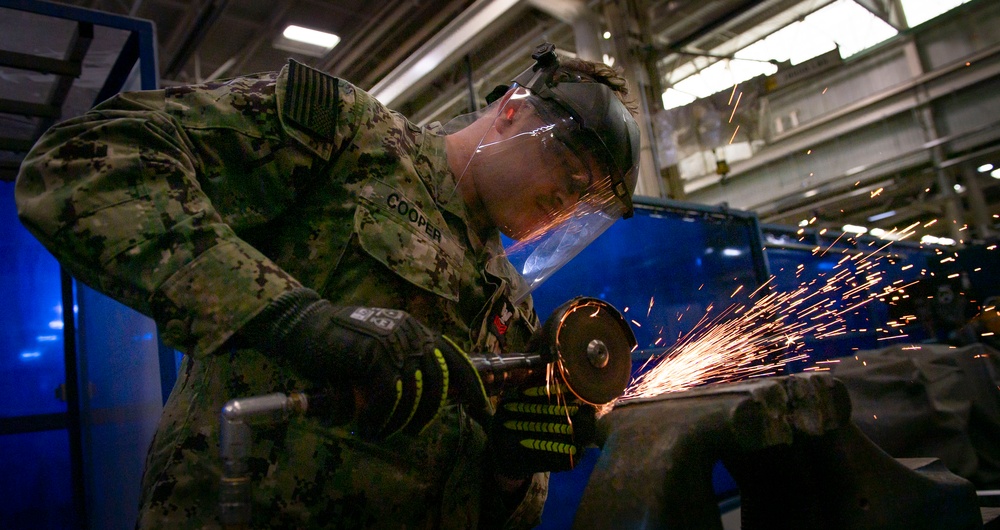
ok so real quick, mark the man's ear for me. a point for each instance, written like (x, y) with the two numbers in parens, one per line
(510, 108)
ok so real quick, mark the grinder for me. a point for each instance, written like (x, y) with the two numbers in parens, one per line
(585, 342)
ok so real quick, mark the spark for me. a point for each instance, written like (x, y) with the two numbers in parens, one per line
(737, 104)
(762, 335)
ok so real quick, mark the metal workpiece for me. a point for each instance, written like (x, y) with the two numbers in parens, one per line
(790, 445)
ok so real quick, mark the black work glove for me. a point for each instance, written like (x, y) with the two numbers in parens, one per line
(539, 428)
(402, 373)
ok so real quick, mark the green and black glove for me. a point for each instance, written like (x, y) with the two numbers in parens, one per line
(402, 372)
(540, 428)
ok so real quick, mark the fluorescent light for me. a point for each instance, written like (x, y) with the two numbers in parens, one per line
(732, 252)
(995, 173)
(311, 36)
(880, 216)
(984, 168)
(854, 229)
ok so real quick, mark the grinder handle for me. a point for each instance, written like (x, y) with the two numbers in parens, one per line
(511, 369)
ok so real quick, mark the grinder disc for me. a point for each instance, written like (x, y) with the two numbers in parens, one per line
(594, 346)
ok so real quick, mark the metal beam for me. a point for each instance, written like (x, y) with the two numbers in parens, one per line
(35, 63)
(206, 19)
(874, 108)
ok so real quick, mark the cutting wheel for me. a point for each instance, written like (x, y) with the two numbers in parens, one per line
(593, 344)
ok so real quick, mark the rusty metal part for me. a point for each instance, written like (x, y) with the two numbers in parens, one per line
(789, 443)
(586, 340)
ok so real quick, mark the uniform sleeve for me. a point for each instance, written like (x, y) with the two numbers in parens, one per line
(119, 197)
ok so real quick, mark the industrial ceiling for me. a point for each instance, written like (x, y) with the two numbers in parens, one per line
(433, 59)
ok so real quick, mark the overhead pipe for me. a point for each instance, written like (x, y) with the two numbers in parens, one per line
(440, 51)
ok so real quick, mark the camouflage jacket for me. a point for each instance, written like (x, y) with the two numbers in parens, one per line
(199, 205)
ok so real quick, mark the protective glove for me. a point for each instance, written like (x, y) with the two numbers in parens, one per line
(540, 428)
(402, 373)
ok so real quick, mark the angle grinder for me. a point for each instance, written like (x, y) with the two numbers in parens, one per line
(586, 343)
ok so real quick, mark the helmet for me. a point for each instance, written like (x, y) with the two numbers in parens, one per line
(605, 125)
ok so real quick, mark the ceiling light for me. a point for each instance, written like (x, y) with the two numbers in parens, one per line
(959, 188)
(880, 216)
(933, 240)
(985, 167)
(311, 42)
(995, 173)
(311, 36)
(854, 229)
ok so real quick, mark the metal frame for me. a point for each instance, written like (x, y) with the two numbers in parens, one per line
(141, 43)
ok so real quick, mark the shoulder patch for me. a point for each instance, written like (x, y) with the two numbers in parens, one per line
(312, 100)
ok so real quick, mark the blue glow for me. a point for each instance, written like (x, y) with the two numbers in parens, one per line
(56, 324)
(47, 338)
(26, 355)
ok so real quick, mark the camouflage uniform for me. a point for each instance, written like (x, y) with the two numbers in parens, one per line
(199, 205)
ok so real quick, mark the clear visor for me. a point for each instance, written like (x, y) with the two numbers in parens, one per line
(543, 183)
(544, 252)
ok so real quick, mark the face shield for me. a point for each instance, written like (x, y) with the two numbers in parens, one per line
(554, 169)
